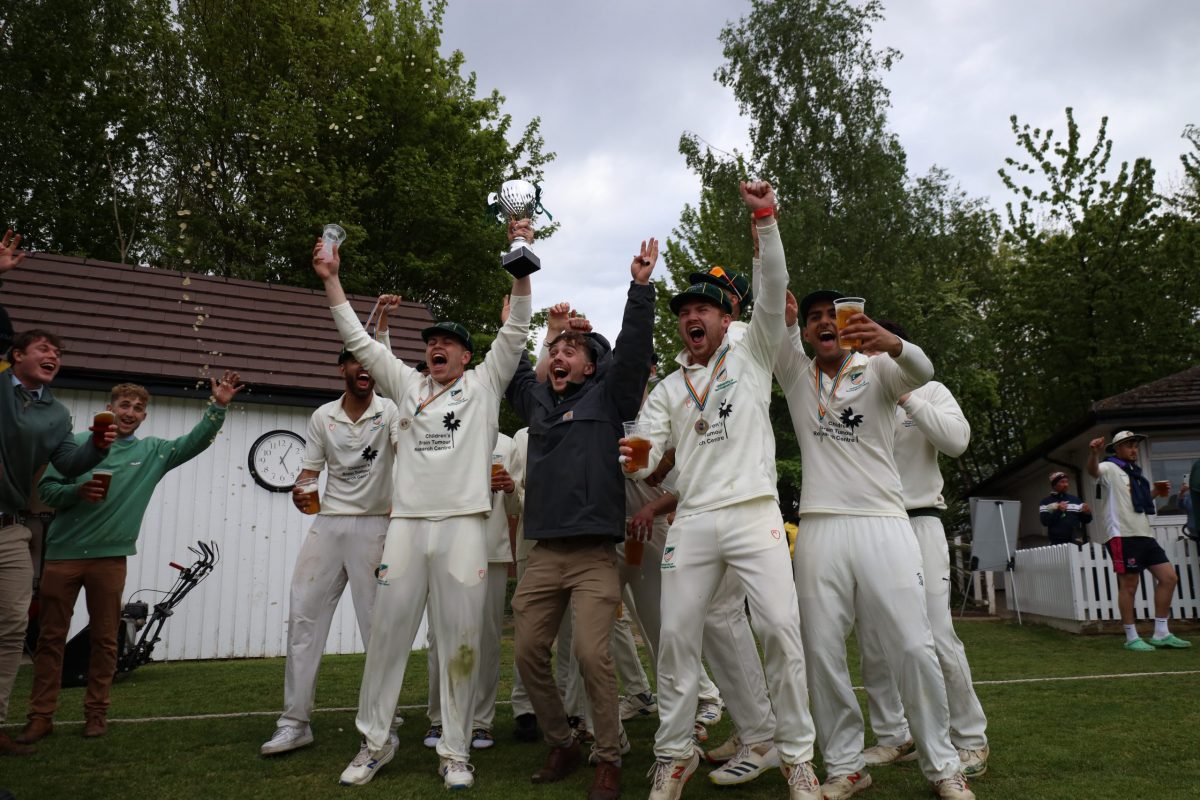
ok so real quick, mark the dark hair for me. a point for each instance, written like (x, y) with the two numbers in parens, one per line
(24, 339)
(578, 340)
(894, 328)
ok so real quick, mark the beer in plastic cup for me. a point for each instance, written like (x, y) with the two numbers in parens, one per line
(1162, 488)
(497, 464)
(847, 307)
(634, 551)
(310, 498)
(105, 478)
(635, 433)
(100, 424)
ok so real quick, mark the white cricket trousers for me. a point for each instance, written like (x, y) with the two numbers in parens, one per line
(869, 568)
(641, 592)
(442, 563)
(732, 655)
(488, 675)
(967, 721)
(338, 549)
(748, 539)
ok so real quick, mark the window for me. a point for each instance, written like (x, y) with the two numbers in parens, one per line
(1171, 460)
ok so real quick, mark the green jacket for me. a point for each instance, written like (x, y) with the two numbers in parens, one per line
(33, 432)
(110, 527)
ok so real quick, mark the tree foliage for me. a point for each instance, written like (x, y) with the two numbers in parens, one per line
(235, 129)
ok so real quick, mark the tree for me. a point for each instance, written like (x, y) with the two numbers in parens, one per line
(807, 76)
(1082, 245)
(77, 125)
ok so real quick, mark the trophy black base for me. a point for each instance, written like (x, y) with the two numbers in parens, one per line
(521, 262)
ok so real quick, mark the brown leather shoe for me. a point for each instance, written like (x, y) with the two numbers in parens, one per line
(10, 748)
(35, 730)
(561, 762)
(607, 783)
(96, 726)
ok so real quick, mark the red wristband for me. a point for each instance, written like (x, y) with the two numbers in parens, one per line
(761, 213)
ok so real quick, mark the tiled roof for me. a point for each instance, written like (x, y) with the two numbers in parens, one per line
(1174, 391)
(171, 328)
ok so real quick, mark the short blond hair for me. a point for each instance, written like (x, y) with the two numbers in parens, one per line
(130, 390)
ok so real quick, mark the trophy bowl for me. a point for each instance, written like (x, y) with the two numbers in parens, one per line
(518, 199)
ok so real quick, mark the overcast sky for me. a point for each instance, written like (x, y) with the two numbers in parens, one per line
(616, 83)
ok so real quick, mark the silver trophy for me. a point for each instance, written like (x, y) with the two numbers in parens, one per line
(517, 199)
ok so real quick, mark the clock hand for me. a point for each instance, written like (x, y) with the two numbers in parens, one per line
(285, 455)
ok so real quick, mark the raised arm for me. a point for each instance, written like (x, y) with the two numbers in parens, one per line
(198, 439)
(766, 329)
(1095, 448)
(938, 416)
(630, 368)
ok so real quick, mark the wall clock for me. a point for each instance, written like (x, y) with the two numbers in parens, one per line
(275, 459)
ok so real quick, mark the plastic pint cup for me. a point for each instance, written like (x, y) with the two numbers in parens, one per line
(634, 551)
(310, 498)
(847, 307)
(497, 464)
(1162, 488)
(636, 432)
(105, 478)
(333, 234)
(100, 424)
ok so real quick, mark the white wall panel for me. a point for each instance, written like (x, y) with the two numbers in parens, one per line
(240, 610)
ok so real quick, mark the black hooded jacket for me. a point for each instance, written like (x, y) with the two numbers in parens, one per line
(574, 485)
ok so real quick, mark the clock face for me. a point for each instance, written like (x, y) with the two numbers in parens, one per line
(275, 459)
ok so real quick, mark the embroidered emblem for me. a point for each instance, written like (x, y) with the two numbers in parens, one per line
(850, 419)
(775, 534)
(381, 575)
(405, 423)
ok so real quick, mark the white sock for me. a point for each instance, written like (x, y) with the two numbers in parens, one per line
(1160, 628)
(1130, 633)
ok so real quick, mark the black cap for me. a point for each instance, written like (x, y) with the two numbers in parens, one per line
(702, 291)
(421, 366)
(819, 296)
(454, 329)
(345, 356)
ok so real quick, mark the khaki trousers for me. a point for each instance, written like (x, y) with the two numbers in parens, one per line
(581, 574)
(16, 591)
(103, 580)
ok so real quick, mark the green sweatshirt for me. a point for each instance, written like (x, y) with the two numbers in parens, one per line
(33, 432)
(110, 527)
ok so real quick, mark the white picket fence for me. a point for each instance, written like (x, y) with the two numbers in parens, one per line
(1068, 582)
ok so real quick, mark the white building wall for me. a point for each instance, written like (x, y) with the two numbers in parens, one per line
(241, 609)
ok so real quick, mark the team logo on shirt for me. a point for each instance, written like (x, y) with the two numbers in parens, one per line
(381, 575)
(856, 377)
(668, 559)
(850, 419)
(369, 454)
(775, 534)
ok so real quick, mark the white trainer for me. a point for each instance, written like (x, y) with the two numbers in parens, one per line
(432, 736)
(723, 752)
(623, 747)
(974, 762)
(642, 704)
(953, 788)
(709, 713)
(668, 777)
(287, 737)
(881, 754)
(843, 787)
(456, 774)
(802, 781)
(367, 762)
(750, 762)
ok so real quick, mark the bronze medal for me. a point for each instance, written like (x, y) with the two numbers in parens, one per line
(701, 427)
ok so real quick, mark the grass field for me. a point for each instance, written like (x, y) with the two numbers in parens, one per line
(1069, 717)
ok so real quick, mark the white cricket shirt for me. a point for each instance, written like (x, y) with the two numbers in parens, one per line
(847, 439)
(504, 505)
(444, 450)
(1117, 516)
(716, 416)
(359, 456)
(929, 422)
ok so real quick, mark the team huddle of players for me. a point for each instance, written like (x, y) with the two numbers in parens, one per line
(871, 552)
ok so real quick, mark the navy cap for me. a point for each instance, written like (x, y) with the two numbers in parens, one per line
(819, 296)
(702, 291)
(454, 329)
